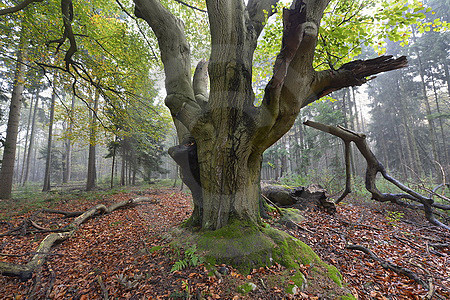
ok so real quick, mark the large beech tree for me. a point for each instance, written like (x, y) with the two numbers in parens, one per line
(222, 129)
(222, 133)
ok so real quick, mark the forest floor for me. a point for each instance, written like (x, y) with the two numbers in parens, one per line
(124, 254)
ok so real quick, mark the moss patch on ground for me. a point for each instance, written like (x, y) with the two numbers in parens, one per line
(247, 246)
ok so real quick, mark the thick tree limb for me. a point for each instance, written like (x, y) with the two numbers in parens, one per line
(175, 55)
(25, 272)
(200, 83)
(20, 6)
(282, 103)
(259, 11)
(374, 167)
(354, 73)
(293, 20)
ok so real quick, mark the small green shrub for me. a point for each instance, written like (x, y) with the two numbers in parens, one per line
(191, 259)
(393, 217)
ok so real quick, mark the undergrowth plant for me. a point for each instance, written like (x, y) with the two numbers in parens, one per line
(394, 217)
(191, 259)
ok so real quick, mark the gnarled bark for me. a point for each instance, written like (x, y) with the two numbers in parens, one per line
(228, 131)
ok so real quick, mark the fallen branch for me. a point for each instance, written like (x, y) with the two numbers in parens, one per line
(67, 214)
(374, 167)
(359, 225)
(25, 272)
(388, 266)
(274, 205)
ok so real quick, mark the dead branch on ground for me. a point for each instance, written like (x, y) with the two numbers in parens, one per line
(25, 272)
(389, 266)
(374, 167)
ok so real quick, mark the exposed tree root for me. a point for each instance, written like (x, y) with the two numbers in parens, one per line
(25, 272)
(374, 167)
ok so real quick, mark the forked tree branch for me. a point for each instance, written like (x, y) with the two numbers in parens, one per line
(18, 7)
(374, 167)
(67, 16)
(259, 11)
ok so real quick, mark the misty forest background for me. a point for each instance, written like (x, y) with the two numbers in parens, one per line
(112, 129)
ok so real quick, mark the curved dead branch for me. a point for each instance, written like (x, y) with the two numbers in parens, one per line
(374, 167)
(25, 272)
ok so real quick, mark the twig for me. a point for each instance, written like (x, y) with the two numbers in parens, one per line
(359, 225)
(103, 288)
(274, 205)
(51, 284)
(301, 227)
(35, 225)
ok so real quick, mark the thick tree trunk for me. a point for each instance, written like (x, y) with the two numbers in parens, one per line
(48, 159)
(432, 133)
(113, 162)
(9, 153)
(223, 134)
(230, 184)
(445, 150)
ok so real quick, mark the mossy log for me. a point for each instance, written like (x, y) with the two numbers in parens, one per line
(25, 271)
(312, 196)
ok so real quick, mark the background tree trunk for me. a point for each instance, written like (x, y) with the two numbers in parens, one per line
(68, 145)
(48, 159)
(27, 136)
(9, 154)
(92, 171)
(31, 143)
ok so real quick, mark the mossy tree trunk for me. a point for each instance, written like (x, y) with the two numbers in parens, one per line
(222, 133)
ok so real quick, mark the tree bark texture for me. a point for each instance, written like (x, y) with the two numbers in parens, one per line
(9, 153)
(222, 134)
